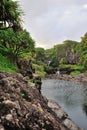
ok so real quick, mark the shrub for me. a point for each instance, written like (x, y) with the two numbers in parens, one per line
(39, 69)
(5, 64)
(75, 73)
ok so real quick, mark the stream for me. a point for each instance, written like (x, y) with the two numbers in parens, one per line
(72, 97)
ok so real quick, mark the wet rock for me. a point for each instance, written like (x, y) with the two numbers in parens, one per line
(57, 109)
(63, 116)
(70, 124)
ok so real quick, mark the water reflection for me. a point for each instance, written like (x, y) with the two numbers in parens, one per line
(71, 96)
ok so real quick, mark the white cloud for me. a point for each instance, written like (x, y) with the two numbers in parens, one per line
(67, 12)
(52, 21)
(85, 6)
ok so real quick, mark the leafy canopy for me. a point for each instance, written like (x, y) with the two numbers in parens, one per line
(14, 44)
(10, 14)
(14, 41)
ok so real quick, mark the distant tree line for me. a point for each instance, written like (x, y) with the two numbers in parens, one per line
(69, 52)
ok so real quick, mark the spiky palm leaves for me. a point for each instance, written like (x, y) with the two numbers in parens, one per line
(10, 14)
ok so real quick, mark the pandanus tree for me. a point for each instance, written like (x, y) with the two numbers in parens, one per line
(14, 44)
(13, 39)
(10, 14)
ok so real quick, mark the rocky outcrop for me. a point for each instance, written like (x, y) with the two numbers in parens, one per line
(25, 67)
(72, 57)
(62, 115)
(37, 80)
(22, 107)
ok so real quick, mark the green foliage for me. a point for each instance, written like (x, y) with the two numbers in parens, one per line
(63, 61)
(10, 13)
(82, 49)
(50, 54)
(39, 69)
(38, 62)
(70, 54)
(5, 65)
(48, 69)
(40, 53)
(69, 44)
(36, 81)
(14, 44)
(83, 60)
(75, 73)
(54, 63)
(79, 67)
(60, 49)
(75, 67)
(14, 41)
(28, 55)
(23, 95)
(86, 71)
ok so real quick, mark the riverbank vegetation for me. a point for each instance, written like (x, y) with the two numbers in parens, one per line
(6, 65)
(16, 43)
(21, 102)
(70, 55)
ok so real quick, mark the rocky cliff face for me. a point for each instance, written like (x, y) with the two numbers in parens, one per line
(22, 107)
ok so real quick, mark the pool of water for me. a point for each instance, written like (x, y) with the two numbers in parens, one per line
(70, 96)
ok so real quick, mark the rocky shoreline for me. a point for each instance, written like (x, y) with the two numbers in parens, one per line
(76, 78)
(63, 116)
(22, 107)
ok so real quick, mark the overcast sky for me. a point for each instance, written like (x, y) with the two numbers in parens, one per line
(52, 21)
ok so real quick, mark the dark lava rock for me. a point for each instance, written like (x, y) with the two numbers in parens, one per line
(25, 67)
(22, 107)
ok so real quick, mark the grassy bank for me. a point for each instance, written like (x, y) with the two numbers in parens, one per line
(6, 65)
